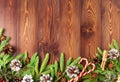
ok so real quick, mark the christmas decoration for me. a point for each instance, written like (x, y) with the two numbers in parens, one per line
(104, 67)
(109, 68)
(104, 59)
(83, 73)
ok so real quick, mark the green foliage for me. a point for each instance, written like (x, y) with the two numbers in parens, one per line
(56, 68)
(62, 62)
(1, 32)
(44, 63)
(75, 61)
(115, 43)
(69, 61)
(100, 51)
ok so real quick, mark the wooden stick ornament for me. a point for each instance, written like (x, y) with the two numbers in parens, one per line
(104, 59)
(83, 73)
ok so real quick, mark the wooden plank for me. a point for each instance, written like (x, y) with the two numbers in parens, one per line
(110, 22)
(8, 19)
(69, 31)
(2, 13)
(27, 26)
(48, 28)
(90, 27)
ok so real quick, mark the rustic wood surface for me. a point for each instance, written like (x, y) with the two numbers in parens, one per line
(75, 27)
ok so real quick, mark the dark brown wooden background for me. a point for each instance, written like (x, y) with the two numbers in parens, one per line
(75, 27)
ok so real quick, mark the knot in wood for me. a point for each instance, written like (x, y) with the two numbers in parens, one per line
(87, 30)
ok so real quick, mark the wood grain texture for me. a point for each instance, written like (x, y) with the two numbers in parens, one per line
(110, 21)
(10, 19)
(75, 27)
(90, 27)
(2, 13)
(70, 28)
(27, 26)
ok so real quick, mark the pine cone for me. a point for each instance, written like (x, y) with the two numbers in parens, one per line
(27, 78)
(94, 75)
(96, 60)
(59, 73)
(8, 49)
(110, 65)
(45, 78)
(15, 65)
(63, 80)
(113, 54)
(17, 79)
(72, 71)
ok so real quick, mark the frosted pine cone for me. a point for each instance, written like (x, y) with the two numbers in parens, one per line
(27, 78)
(45, 78)
(113, 54)
(15, 65)
(72, 71)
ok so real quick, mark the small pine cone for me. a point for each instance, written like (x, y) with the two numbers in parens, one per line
(8, 49)
(110, 65)
(63, 80)
(45, 78)
(113, 54)
(17, 79)
(3, 37)
(72, 71)
(59, 73)
(15, 65)
(27, 78)
(94, 75)
(96, 60)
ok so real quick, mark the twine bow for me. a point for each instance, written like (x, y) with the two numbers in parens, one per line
(83, 73)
